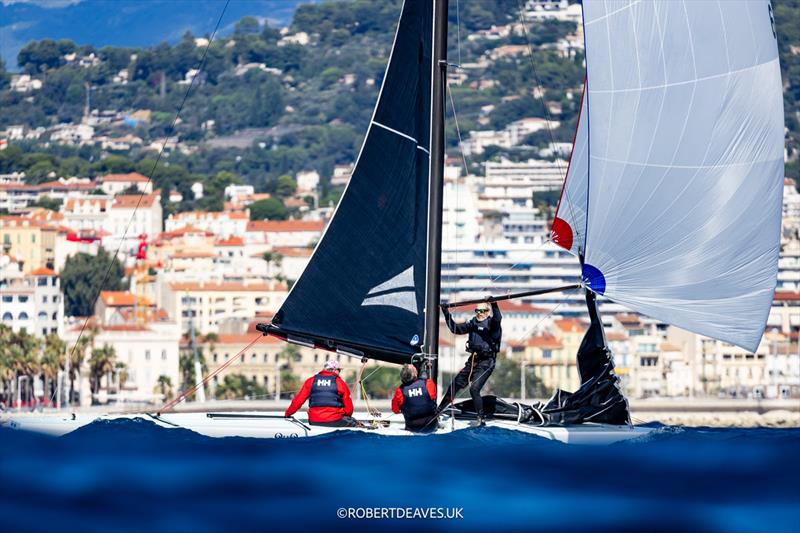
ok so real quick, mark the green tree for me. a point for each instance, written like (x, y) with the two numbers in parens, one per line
(53, 204)
(286, 186)
(52, 361)
(269, 209)
(84, 276)
(164, 387)
(101, 363)
(381, 383)
(237, 387)
(506, 381)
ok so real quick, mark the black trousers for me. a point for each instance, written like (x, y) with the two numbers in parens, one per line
(426, 424)
(344, 422)
(481, 370)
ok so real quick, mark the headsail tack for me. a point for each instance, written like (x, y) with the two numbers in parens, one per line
(364, 287)
(686, 170)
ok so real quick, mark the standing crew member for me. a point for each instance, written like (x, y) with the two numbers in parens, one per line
(483, 344)
(416, 399)
(329, 399)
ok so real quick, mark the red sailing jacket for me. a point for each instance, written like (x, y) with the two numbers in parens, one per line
(397, 401)
(323, 414)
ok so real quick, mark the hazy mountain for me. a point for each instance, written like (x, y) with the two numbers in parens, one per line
(132, 23)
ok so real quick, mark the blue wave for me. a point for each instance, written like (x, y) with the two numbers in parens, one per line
(132, 475)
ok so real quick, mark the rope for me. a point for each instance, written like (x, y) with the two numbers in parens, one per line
(149, 180)
(169, 405)
(364, 395)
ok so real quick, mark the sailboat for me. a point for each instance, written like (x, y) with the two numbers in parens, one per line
(671, 204)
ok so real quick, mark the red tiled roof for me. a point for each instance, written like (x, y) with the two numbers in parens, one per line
(287, 251)
(43, 272)
(278, 226)
(122, 299)
(546, 341)
(787, 296)
(132, 201)
(230, 241)
(133, 177)
(570, 325)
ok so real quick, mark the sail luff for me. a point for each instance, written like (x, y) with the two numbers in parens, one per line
(362, 289)
(569, 222)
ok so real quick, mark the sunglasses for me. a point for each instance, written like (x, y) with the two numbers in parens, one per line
(479, 310)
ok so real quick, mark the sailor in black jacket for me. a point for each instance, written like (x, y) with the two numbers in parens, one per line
(483, 343)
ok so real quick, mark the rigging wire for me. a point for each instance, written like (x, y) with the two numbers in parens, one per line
(171, 129)
(548, 118)
(182, 396)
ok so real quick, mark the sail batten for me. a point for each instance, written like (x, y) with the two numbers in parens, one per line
(685, 113)
(363, 288)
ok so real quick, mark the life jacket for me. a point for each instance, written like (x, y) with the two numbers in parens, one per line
(324, 392)
(417, 403)
(484, 340)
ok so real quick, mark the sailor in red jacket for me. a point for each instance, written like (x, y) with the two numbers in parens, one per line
(329, 398)
(416, 399)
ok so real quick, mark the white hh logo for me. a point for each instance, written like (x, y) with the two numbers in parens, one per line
(397, 292)
(323, 383)
(414, 392)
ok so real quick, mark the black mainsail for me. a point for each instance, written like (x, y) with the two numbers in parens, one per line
(363, 290)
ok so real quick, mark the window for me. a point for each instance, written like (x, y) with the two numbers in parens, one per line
(547, 354)
(265, 358)
(44, 299)
(42, 316)
(163, 355)
(266, 381)
(7, 298)
(22, 298)
(253, 358)
(147, 355)
(241, 358)
(215, 358)
(23, 315)
(41, 281)
(55, 315)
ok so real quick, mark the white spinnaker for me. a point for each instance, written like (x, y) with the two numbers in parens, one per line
(569, 225)
(686, 162)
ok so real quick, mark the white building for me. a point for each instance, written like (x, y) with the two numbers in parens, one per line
(113, 184)
(147, 351)
(509, 183)
(216, 306)
(31, 302)
(307, 181)
(224, 224)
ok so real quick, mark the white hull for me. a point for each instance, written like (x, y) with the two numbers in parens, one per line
(272, 425)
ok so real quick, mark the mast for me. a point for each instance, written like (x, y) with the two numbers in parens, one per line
(436, 184)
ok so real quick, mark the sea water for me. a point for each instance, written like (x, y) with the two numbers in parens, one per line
(133, 476)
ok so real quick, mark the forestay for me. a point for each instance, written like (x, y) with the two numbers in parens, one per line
(363, 289)
(686, 175)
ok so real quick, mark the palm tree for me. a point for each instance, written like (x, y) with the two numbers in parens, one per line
(84, 345)
(272, 258)
(6, 367)
(52, 361)
(186, 365)
(101, 363)
(25, 356)
(237, 386)
(164, 387)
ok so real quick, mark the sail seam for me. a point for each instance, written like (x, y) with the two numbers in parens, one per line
(686, 82)
(612, 13)
(658, 165)
(403, 135)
